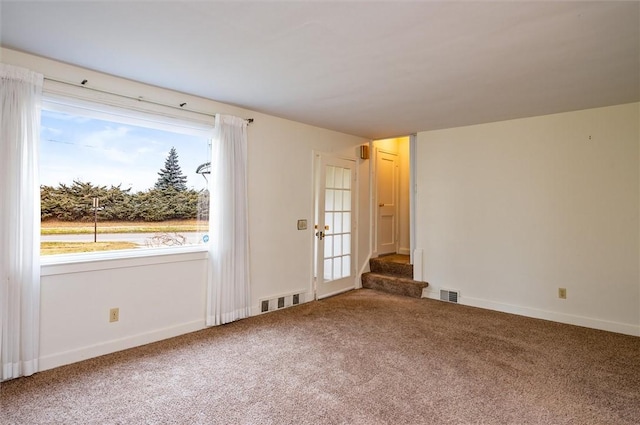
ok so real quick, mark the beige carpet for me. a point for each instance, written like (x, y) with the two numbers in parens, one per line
(359, 358)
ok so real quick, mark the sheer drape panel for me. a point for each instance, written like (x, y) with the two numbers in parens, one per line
(228, 286)
(20, 98)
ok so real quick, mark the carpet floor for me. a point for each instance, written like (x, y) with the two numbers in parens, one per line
(363, 357)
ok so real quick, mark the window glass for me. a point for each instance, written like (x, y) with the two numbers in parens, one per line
(109, 183)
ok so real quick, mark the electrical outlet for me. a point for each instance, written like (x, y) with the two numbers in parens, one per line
(562, 293)
(114, 315)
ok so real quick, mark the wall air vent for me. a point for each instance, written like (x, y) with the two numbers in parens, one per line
(280, 302)
(449, 296)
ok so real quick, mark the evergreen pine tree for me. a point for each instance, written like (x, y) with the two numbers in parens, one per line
(171, 175)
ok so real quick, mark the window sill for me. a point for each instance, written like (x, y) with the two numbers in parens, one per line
(77, 263)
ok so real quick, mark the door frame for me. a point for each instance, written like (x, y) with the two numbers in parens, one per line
(413, 146)
(316, 173)
(413, 190)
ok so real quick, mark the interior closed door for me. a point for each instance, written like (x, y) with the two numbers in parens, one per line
(387, 203)
(335, 200)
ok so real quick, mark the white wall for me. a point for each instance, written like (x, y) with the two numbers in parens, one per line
(160, 297)
(508, 212)
(281, 192)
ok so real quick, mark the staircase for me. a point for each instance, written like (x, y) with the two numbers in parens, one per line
(393, 274)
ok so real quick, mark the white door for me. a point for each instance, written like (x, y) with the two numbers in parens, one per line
(334, 260)
(387, 202)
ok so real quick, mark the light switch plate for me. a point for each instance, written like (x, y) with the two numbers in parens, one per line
(302, 224)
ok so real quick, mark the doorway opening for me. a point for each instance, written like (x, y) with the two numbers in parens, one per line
(392, 199)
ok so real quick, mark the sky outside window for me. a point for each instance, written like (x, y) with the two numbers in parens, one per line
(106, 153)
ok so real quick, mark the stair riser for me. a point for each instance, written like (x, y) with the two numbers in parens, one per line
(393, 285)
(386, 267)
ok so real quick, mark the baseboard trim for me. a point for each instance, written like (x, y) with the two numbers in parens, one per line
(365, 268)
(338, 292)
(570, 319)
(72, 356)
(404, 251)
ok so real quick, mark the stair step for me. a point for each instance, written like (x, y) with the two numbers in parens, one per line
(393, 284)
(384, 265)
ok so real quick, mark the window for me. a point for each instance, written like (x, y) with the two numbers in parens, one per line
(115, 179)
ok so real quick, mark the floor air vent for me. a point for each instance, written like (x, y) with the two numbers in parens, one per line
(280, 302)
(449, 296)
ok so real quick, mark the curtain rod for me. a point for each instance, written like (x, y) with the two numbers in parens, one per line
(180, 107)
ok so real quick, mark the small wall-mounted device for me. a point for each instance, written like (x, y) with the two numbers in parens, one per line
(364, 152)
(114, 314)
(302, 224)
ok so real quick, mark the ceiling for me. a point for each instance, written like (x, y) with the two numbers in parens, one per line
(372, 69)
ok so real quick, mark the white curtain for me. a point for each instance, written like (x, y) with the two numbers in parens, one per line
(228, 286)
(20, 99)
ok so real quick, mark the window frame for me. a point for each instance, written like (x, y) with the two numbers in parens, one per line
(65, 98)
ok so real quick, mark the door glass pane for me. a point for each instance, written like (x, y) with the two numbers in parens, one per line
(338, 177)
(346, 244)
(328, 221)
(346, 265)
(346, 222)
(337, 245)
(346, 179)
(328, 268)
(328, 200)
(338, 200)
(330, 176)
(337, 268)
(346, 200)
(337, 223)
(328, 246)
